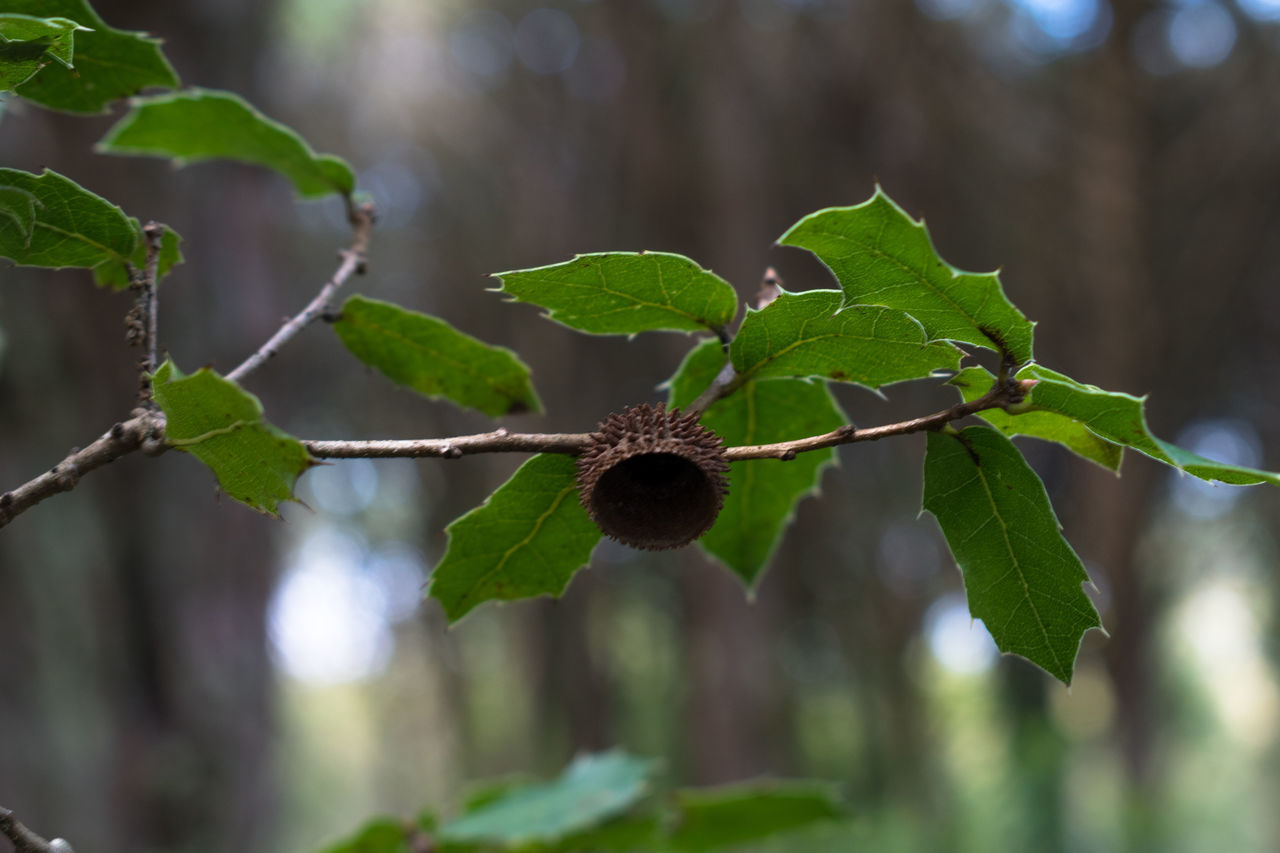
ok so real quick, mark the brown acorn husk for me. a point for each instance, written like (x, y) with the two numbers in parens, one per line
(652, 478)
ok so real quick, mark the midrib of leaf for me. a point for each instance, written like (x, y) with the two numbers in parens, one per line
(1017, 569)
(506, 555)
(923, 279)
(461, 366)
(638, 302)
(79, 238)
(226, 430)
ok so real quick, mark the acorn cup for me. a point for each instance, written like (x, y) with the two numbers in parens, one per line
(653, 479)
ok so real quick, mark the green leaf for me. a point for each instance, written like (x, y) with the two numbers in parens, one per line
(380, 835)
(205, 124)
(1022, 578)
(591, 790)
(622, 293)
(435, 359)
(763, 493)
(801, 334)
(710, 819)
(973, 382)
(115, 273)
(528, 539)
(28, 44)
(881, 256)
(108, 63)
(51, 221)
(1121, 418)
(221, 424)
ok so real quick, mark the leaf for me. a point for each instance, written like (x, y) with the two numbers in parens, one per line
(115, 273)
(1022, 578)
(1121, 418)
(206, 124)
(221, 424)
(28, 44)
(622, 293)
(591, 790)
(881, 256)
(380, 835)
(108, 63)
(801, 334)
(528, 539)
(973, 382)
(710, 819)
(763, 493)
(435, 359)
(62, 224)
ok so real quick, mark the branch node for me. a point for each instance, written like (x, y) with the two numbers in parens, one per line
(6, 500)
(451, 452)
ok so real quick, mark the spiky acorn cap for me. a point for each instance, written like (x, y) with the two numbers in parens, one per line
(653, 479)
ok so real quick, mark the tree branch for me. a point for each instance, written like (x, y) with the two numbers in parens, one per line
(353, 262)
(26, 841)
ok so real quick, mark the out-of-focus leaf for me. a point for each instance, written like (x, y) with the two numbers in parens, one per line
(204, 124)
(115, 274)
(801, 334)
(51, 221)
(528, 539)
(107, 63)
(591, 790)
(1021, 577)
(1120, 418)
(380, 835)
(881, 256)
(221, 424)
(622, 293)
(763, 493)
(715, 818)
(28, 43)
(973, 382)
(435, 359)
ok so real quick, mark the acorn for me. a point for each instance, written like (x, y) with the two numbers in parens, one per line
(653, 479)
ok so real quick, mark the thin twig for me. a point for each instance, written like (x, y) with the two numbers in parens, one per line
(154, 234)
(144, 431)
(353, 261)
(26, 841)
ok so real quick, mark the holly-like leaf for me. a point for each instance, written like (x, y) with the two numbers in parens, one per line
(806, 334)
(435, 359)
(881, 256)
(205, 124)
(107, 63)
(115, 273)
(28, 44)
(622, 293)
(1021, 577)
(591, 790)
(973, 382)
(221, 424)
(715, 818)
(1121, 418)
(763, 493)
(528, 539)
(51, 221)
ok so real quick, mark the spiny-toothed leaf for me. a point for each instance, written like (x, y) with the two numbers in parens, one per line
(881, 256)
(71, 227)
(528, 539)
(205, 124)
(622, 293)
(801, 334)
(1021, 577)
(1121, 418)
(115, 274)
(591, 790)
(763, 493)
(973, 382)
(745, 813)
(28, 44)
(107, 63)
(221, 424)
(435, 359)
